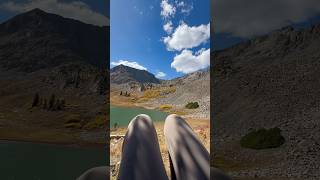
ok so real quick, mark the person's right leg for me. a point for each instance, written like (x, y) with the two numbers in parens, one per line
(141, 157)
(189, 157)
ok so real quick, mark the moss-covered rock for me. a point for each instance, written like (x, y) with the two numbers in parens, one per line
(263, 139)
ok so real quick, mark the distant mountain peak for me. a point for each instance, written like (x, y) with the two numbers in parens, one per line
(124, 74)
(36, 11)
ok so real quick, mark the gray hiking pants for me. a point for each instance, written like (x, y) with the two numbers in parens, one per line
(141, 157)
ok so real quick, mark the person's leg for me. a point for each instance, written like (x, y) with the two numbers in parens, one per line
(189, 157)
(97, 173)
(141, 157)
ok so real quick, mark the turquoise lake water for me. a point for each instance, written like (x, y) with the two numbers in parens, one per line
(31, 161)
(123, 115)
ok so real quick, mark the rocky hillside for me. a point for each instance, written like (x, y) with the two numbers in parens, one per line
(123, 74)
(270, 81)
(193, 87)
(46, 54)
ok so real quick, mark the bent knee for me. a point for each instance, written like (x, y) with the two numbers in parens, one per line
(141, 119)
(172, 122)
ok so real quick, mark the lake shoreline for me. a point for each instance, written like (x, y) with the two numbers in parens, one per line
(61, 144)
(51, 137)
(118, 103)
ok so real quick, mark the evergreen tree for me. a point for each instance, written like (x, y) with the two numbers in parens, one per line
(52, 101)
(45, 106)
(57, 105)
(62, 104)
(35, 100)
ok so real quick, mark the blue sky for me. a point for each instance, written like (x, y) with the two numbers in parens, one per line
(137, 35)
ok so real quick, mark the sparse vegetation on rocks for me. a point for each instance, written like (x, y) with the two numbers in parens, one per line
(126, 94)
(98, 122)
(54, 104)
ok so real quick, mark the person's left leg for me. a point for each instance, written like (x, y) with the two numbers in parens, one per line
(141, 157)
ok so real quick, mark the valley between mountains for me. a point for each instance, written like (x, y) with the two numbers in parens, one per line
(135, 88)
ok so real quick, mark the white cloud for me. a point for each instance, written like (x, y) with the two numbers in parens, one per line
(168, 27)
(185, 36)
(187, 62)
(184, 7)
(160, 75)
(132, 64)
(180, 4)
(167, 9)
(248, 18)
(74, 9)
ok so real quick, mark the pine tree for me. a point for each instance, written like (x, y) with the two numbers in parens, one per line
(35, 100)
(57, 105)
(62, 104)
(52, 101)
(45, 106)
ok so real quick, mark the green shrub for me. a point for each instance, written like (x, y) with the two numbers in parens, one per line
(192, 105)
(263, 139)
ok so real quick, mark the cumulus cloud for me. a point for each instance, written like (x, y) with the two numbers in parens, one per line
(132, 64)
(160, 75)
(167, 9)
(74, 9)
(168, 27)
(249, 18)
(187, 62)
(186, 36)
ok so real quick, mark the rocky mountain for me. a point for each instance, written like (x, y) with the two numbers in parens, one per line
(36, 40)
(270, 81)
(53, 46)
(123, 74)
(47, 54)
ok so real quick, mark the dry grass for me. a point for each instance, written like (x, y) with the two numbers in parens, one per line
(165, 107)
(149, 94)
(200, 127)
(98, 122)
